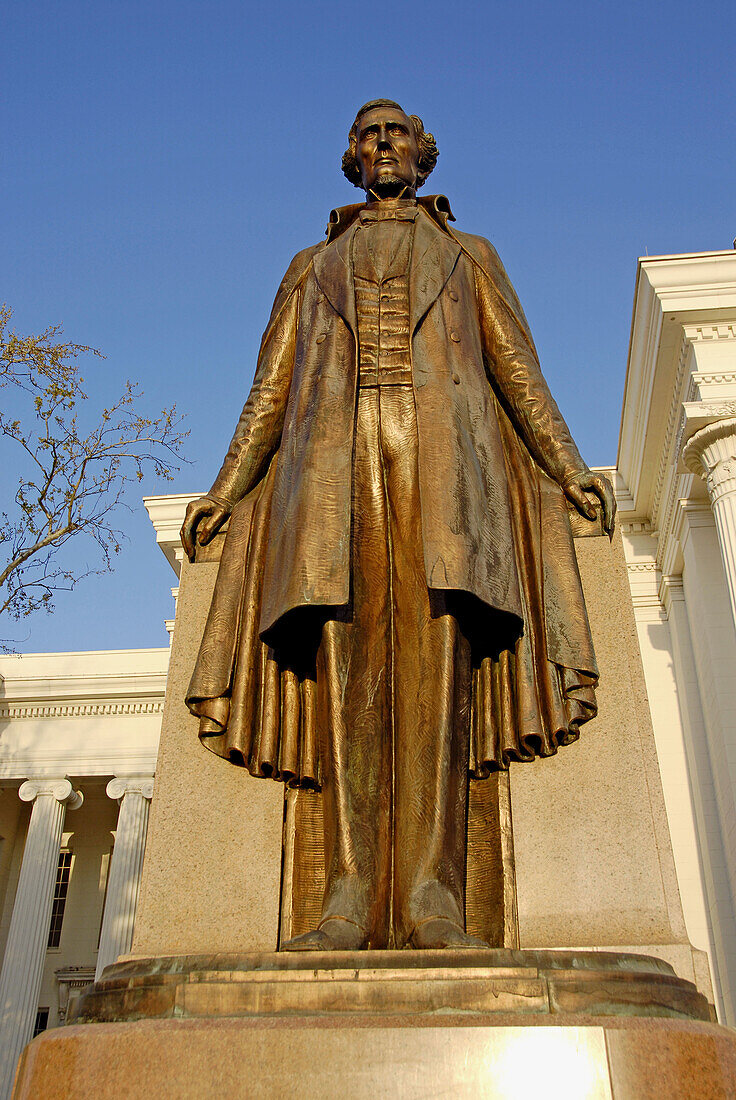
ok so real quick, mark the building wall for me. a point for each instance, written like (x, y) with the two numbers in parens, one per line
(14, 816)
(676, 490)
(656, 650)
(90, 717)
(713, 640)
(688, 645)
(89, 834)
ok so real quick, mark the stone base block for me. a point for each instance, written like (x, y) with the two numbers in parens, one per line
(372, 1057)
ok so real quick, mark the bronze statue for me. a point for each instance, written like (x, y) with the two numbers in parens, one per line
(398, 605)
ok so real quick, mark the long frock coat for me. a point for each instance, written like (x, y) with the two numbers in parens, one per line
(493, 453)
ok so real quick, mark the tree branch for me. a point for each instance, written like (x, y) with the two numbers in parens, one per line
(83, 477)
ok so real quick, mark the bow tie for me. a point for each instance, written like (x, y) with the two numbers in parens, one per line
(395, 213)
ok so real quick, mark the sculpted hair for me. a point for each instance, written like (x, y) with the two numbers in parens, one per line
(428, 151)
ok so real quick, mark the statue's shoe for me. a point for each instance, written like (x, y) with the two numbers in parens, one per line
(332, 935)
(442, 933)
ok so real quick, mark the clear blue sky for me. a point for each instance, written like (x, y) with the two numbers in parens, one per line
(163, 162)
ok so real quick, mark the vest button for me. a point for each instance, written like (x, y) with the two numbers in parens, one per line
(321, 337)
(456, 378)
(453, 295)
(454, 337)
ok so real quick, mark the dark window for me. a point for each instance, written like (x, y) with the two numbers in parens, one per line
(42, 1021)
(60, 891)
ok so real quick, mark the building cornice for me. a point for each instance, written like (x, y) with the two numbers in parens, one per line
(167, 515)
(74, 684)
(679, 379)
(679, 301)
(79, 709)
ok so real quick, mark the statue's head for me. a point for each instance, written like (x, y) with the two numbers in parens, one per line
(388, 150)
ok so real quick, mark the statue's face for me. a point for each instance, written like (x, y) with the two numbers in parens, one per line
(387, 150)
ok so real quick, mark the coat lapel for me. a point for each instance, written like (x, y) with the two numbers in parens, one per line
(434, 256)
(333, 271)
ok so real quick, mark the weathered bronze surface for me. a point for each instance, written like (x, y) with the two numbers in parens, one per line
(398, 606)
(467, 983)
(490, 911)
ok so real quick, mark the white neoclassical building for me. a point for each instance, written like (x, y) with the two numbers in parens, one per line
(78, 743)
(79, 731)
(676, 487)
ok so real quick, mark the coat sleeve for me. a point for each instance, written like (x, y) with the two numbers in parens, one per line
(513, 365)
(258, 433)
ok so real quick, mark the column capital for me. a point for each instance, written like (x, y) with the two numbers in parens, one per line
(711, 454)
(134, 784)
(712, 444)
(57, 786)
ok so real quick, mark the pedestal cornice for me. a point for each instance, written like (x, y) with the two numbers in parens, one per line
(360, 983)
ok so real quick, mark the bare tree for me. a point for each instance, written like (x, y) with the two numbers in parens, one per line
(73, 477)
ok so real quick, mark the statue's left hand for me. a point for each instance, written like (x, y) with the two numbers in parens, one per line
(202, 520)
(576, 488)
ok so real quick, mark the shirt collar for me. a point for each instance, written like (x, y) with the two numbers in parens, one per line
(436, 206)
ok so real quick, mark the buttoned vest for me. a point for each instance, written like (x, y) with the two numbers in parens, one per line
(381, 258)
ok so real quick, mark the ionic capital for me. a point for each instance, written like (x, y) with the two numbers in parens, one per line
(711, 455)
(57, 786)
(135, 784)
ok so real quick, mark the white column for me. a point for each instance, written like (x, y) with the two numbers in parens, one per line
(711, 454)
(710, 638)
(719, 912)
(25, 952)
(134, 796)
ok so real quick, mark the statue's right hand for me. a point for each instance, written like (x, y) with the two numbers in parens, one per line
(202, 520)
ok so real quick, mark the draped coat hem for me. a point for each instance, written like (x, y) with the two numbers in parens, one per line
(257, 702)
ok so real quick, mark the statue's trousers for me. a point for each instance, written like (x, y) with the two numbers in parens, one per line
(394, 682)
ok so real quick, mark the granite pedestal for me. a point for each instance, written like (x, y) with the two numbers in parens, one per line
(513, 1025)
(605, 998)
